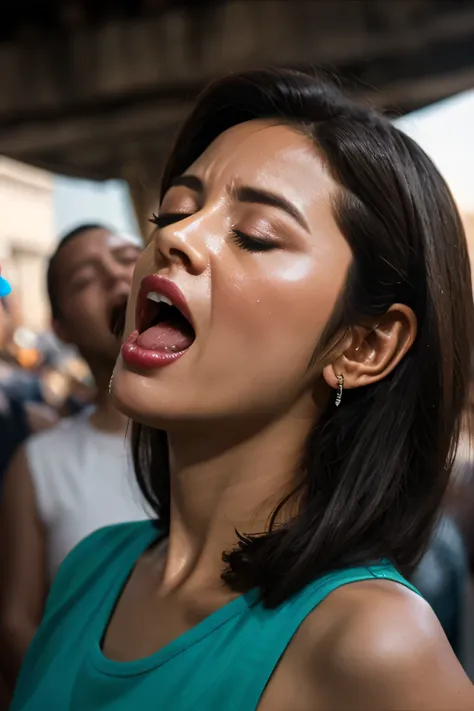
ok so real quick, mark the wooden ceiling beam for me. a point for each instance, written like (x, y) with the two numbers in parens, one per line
(87, 102)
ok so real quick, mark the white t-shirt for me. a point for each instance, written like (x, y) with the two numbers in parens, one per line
(84, 480)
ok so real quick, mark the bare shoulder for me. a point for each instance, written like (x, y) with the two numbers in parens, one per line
(40, 417)
(17, 477)
(378, 645)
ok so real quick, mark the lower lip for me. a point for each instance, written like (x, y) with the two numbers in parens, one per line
(138, 357)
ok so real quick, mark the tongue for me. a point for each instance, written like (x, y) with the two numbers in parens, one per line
(164, 337)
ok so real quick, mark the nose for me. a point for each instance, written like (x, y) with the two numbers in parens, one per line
(180, 243)
(118, 274)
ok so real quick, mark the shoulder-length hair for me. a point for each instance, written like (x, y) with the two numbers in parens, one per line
(376, 468)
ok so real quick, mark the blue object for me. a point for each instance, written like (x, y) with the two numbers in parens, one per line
(223, 663)
(5, 287)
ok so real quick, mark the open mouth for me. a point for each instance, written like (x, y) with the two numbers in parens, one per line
(162, 326)
(117, 319)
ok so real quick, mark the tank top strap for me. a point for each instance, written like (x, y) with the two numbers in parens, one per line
(274, 629)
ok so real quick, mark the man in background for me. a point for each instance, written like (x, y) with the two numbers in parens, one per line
(77, 477)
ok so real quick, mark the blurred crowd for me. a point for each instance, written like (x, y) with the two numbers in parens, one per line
(41, 380)
(65, 467)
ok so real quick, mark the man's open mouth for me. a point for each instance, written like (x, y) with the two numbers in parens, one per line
(117, 319)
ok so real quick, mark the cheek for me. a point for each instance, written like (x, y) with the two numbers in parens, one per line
(130, 272)
(85, 310)
(283, 307)
(82, 324)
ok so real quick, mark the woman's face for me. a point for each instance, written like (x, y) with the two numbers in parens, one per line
(250, 240)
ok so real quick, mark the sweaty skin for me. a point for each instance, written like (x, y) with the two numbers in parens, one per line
(237, 407)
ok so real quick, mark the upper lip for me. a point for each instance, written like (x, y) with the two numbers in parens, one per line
(165, 287)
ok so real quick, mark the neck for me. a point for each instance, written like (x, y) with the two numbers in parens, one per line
(105, 417)
(221, 483)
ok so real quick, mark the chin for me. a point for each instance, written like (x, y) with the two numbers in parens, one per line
(153, 403)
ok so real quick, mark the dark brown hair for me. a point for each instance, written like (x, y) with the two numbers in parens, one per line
(377, 467)
(52, 275)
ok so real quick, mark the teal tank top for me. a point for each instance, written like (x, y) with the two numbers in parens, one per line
(222, 664)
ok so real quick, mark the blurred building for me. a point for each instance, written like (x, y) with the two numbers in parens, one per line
(26, 236)
(445, 130)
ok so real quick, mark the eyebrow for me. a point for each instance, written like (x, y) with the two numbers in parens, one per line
(248, 195)
(264, 197)
(94, 260)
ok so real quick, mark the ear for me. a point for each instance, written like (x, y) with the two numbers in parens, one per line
(372, 353)
(60, 331)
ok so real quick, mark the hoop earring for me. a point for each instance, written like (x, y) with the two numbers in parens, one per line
(340, 388)
(110, 383)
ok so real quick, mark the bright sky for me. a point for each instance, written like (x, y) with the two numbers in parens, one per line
(446, 132)
(77, 201)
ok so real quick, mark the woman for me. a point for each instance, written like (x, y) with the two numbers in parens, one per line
(295, 360)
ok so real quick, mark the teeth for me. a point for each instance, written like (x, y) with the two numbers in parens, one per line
(154, 296)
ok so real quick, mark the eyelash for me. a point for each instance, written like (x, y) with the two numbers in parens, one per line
(252, 244)
(163, 220)
(242, 240)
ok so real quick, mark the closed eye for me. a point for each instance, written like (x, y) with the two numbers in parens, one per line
(168, 219)
(82, 281)
(242, 240)
(252, 244)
